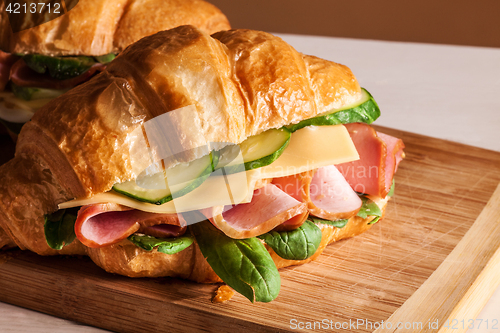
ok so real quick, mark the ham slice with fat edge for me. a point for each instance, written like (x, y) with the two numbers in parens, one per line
(269, 208)
(379, 157)
(394, 156)
(324, 190)
(100, 225)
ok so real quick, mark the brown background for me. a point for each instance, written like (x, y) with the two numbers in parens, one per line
(459, 22)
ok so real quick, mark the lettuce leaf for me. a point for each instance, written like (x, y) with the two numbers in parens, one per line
(165, 245)
(243, 264)
(298, 244)
(60, 228)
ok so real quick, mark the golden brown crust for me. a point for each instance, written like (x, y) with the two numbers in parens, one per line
(87, 29)
(96, 27)
(185, 67)
(146, 17)
(269, 74)
(90, 126)
(28, 190)
(127, 259)
(330, 95)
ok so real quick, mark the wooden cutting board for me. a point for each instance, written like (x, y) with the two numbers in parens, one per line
(384, 274)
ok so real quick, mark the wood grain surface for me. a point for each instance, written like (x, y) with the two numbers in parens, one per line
(441, 189)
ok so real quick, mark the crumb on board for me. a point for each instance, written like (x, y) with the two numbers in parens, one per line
(223, 294)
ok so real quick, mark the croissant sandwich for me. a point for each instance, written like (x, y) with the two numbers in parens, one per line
(39, 63)
(209, 158)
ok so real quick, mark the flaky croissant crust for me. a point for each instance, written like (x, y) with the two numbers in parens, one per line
(127, 259)
(97, 27)
(241, 82)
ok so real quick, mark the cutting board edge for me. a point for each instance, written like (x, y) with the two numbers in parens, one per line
(433, 292)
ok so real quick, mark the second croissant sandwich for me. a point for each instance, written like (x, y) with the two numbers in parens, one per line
(208, 158)
(42, 62)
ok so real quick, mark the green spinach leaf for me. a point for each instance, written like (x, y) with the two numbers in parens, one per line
(336, 223)
(298, 244)
(391, 191)
(165, 245)
(243, 264)
(368, 208)
(366, 112)
(60, 228)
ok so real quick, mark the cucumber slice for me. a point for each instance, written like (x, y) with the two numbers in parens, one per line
(257, 151)
(61, 68)
(29, 94)
(161, 187)
(365, 110)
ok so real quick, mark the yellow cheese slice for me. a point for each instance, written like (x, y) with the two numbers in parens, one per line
(310, 148)
(217, 190)
(313, 147)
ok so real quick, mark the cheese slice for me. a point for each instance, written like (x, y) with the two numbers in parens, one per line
(313, 147)
(309, 148)
(217, 190)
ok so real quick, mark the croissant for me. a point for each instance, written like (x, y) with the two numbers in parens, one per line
(241, 82)
(96, 27)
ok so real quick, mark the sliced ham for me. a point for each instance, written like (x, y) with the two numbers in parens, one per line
(366, 175)
(394, 155)
(269, 208)
(331, 196)
(325, 191)
(6, 62)
(293, 223)
(379, 156)
(163, 230)
(100, 225)
(24, 76)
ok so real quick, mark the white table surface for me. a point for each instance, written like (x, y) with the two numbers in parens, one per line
(448, 92)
